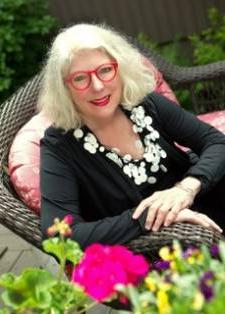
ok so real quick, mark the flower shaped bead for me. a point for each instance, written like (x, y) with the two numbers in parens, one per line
(91, 143)
(78, 133)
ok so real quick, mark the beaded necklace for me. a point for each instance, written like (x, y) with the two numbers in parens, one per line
(140, 171)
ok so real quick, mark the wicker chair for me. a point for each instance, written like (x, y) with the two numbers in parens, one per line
(16, 111)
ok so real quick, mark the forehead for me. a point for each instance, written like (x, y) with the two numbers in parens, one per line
(89, 59)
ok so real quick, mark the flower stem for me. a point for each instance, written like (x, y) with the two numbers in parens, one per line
(62, 260)
(88, 307)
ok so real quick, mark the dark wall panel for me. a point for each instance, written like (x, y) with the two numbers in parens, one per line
(160, 19)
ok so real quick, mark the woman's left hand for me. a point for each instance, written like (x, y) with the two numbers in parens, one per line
(163, 207)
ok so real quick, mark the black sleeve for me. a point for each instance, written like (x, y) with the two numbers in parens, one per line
(187, 130)
(60, 196)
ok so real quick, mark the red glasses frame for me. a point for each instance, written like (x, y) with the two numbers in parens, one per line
(69, 79)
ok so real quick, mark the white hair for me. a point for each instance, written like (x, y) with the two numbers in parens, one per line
(55, 100)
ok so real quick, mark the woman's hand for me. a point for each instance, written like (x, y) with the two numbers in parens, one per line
(164, 206)
(188, 215)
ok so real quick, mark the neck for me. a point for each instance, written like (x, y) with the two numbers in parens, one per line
(103, 124)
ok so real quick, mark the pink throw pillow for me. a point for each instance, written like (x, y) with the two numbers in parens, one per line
(24, 161)
(216, 119)
(161, 85)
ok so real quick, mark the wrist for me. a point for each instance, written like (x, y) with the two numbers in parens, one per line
(190, 184)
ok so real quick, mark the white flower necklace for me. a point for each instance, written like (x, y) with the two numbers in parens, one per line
(140, 171)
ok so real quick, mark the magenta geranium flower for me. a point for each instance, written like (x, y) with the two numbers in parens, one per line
(103, 266)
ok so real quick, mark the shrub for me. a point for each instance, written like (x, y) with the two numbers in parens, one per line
(205, 48)
(209, 45)
(25, 30)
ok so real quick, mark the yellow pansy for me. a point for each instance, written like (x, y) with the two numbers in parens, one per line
(177, 252)
(150, 284)
(198, 301)
(166, 254)
(163, 302)
(195, 259)
(164, 286)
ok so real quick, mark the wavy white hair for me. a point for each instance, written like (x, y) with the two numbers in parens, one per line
(54, 98)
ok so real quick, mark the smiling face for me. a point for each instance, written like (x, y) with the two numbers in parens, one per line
(100, 100)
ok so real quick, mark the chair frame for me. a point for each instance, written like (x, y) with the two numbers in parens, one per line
(21, 106)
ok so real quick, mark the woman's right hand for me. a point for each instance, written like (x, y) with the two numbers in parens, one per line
(188, 215)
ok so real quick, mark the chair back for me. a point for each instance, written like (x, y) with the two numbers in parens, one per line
(14, 113)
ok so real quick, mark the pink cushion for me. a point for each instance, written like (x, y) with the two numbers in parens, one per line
(24, 161)
(216, 119)
(161, 86)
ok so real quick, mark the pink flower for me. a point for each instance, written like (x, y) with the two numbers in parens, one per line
(103, 266)
(68, 219)
(61, 226)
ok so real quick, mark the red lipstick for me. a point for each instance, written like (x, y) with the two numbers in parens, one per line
(101, 102)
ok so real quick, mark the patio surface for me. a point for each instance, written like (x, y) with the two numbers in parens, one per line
(16, 254)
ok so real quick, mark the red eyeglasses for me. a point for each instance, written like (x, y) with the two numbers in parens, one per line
(81, 80)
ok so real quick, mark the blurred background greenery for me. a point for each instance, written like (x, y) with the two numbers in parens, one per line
(27, 27)
(203, 48)
(25, 32)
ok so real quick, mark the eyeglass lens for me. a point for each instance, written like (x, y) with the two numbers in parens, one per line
(105, 73)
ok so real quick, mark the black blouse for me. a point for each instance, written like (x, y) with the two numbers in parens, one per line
(101, 196)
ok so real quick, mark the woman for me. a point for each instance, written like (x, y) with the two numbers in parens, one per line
(109, 158)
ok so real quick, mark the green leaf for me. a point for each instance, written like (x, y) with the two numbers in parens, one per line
(31, 288)
(222, 251)
(134, 296)
(4, 311)
(68, 249)
(67, 296)
(23, 24)
(7, 280)
(54, 246)
(73, 251)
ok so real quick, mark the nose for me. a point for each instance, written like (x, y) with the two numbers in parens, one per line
(96, 83)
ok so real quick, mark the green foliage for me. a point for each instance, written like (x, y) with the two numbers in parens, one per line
(29, 290)
(209, 45)
(204, 48)
(67, 249)
(193, 282)
(25, 30)
(37, 291)
(170, 51)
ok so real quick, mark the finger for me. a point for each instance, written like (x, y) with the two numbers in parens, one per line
(171, 216)
(160, 217)
(211, 223)
(150, 218)
(197, 218)
(140, 208)
(192, 218)
(158, 221)
(144, 204)
(188, 215)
